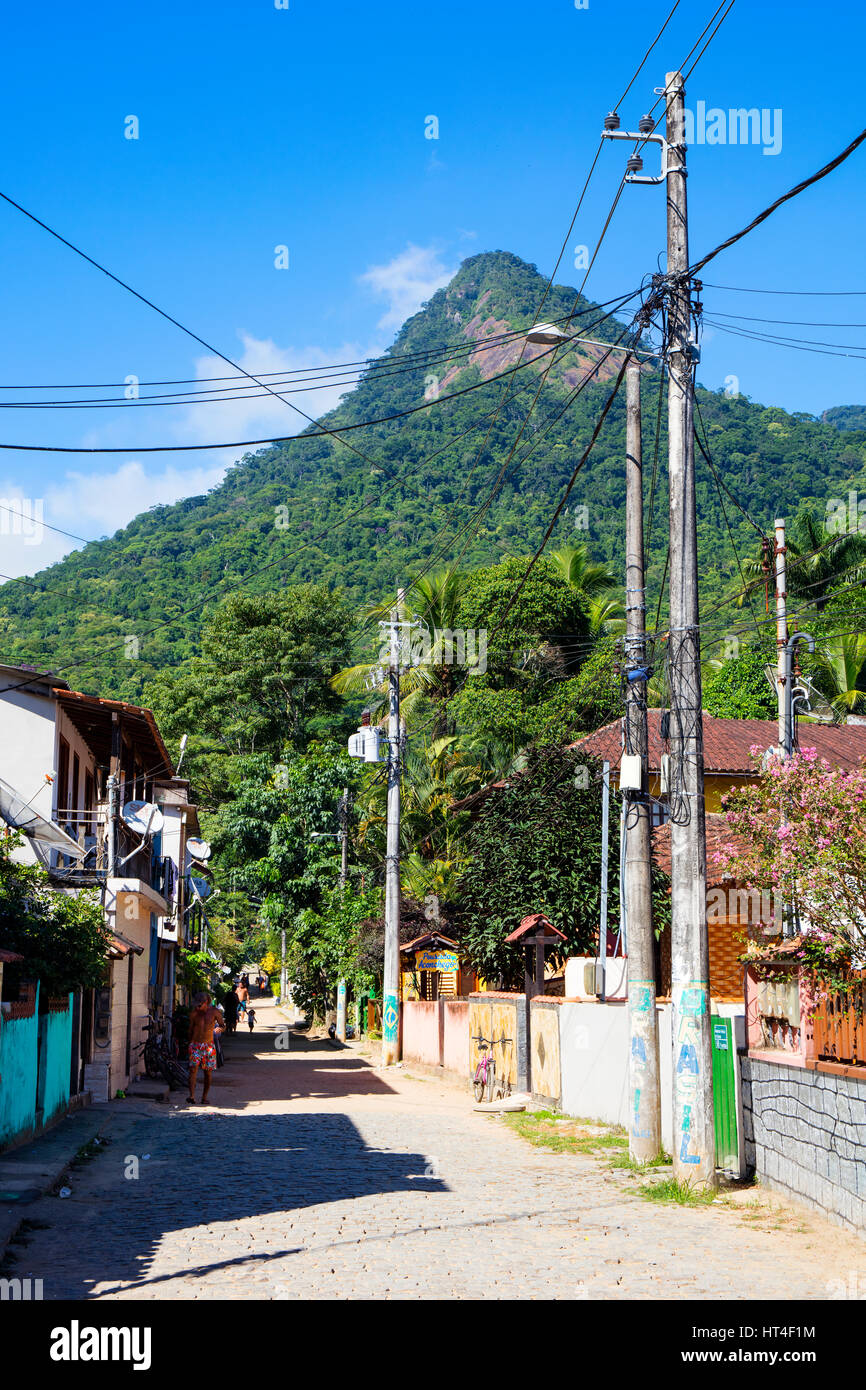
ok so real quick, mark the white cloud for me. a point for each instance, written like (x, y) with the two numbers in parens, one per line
(407, 282)
(259, 413)
(98, 503)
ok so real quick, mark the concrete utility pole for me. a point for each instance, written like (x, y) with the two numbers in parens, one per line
(645, 1135)
(391, 982)
(693, 1120)
(780, 553)
(344, 868)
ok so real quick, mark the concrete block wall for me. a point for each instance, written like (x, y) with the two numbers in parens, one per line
(805, 1132)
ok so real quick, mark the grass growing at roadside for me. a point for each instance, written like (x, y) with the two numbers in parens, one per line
(661, 1160)
(683, 1194)
(545, 1129)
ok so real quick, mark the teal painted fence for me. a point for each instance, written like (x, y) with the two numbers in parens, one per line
(19, 1052)
(35, 1063)
(55, 1057)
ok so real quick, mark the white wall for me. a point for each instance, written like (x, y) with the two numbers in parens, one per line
(594, 1043)
(27, 741)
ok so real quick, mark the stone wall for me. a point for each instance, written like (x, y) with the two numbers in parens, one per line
(805, 1132)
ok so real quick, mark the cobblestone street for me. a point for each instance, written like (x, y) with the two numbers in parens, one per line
(314, 1176)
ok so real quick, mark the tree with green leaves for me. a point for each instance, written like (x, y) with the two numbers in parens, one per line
(63, 937)
(261, 682)
(739, 688)
(535, 846)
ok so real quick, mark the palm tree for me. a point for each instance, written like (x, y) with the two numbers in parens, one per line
(818, 559)
(841, 663)
(579, 572)
(432, 602)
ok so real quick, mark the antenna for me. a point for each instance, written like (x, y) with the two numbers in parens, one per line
(144, 818)
(183, 740)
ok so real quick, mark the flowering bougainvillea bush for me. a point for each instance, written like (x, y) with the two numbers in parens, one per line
(801, 836)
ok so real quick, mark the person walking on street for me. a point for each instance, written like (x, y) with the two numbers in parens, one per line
(203, 1018)
(243, 997)
(230, 1009)
(251, 1018)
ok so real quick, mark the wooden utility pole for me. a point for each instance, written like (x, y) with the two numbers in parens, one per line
(780, 553)
(645, 1136)
(391, 980)
(693, 1120)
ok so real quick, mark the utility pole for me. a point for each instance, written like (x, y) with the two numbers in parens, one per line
(344, 867)
(283, 981)
(780, 553)
(391, 980)
(645, 1137)
(693, 1120)
(601, 975)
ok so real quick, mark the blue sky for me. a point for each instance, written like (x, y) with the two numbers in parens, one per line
(305, 127)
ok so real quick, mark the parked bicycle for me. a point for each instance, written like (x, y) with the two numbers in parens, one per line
(160, 1057)
(485, 1081)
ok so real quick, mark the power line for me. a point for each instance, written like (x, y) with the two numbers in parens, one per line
(744, 289)
(776, 340)
(601, 419)
(285, 439)
(642, 62)
(778, 202)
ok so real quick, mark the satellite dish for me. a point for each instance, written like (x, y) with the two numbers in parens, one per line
(201, 888)
(142, 817)
(199, 849)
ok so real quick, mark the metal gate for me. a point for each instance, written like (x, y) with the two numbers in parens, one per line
(725, 1094)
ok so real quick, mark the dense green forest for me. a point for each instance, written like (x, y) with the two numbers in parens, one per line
(438, 486)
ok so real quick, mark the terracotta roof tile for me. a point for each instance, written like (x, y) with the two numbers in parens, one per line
(718, 834)
(728, 742)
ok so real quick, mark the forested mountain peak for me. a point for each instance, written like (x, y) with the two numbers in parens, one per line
(461, 479)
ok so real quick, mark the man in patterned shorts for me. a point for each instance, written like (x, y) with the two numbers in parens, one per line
(203, 1018)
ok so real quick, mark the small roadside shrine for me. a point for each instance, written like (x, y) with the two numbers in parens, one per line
(535, 934)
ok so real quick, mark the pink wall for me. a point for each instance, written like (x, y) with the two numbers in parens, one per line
(437, 1033)
(456, 1040)
(421, 1032)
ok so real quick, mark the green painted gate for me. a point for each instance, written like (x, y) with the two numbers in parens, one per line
(725, 1093)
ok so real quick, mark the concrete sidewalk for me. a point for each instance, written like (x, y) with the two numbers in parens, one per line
(37, 1168)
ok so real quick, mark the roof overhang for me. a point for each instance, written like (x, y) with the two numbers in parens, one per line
(92, 717)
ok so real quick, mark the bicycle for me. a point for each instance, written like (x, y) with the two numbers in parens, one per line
(159, 1062)
(485, 1072)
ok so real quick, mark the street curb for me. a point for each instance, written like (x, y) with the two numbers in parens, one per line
(43, 1162)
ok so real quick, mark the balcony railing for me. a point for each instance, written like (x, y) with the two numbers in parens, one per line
(132, 859)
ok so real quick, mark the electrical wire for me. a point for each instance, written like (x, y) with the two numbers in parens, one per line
(745, 289)
(778, 202)
(285, 439)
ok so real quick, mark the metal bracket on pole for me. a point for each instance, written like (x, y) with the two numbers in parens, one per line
(640, 138)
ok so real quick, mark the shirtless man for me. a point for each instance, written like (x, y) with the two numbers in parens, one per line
(203, 1018)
